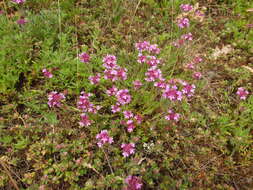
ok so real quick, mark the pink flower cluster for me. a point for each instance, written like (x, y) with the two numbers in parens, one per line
(84, 57)
(172, 116)
(146, 46)
(128, 149)
(183, 23)
(133, 183)
(184, 38)
(150, 60)
(115, 108)
(172, 93)
(242, 93)
(115, 74)
(161, 83)
(113, 71)
(18, 1)
(95, 79)
(103, 138)
(192, 66)
(55, 98)
(187, 36)
(123, 96)
(110, 61)
(84, 120)
(47, 73)
(85, 105)
(112, 91)
(128, 114)
(186, 7)
(188, 89)
(197, 75)
(153, 74)
(130, 125)
(137, 84)
(132, 120)
(170, 90)
(22, 21)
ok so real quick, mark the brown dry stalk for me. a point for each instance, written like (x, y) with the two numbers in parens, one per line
(9, 174)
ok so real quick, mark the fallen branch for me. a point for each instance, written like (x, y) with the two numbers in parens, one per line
(9, 174)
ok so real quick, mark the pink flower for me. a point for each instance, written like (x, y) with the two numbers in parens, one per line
(138, 118)
(188, 90)
(123, 96)
(137, 84)
(133, 183)
(242, 93)
(199, 13)
(141, 58)
(111, 74)
(110, 61)
(186, 7)
(18, 1)
(112, 91)
(115, 108)
(153, 73)
(172, 93)
(249, 25)
(187, 37)
(153, 48)
(161, 84)
(128, 114)
(95, 79)
(103, 138)
(197, 59)
(152, 61)
(115, 73)
(172, 116)
(122, 73)
(146, 46)
(47, 73)
(128, 149)
(55, 98)
(190, 66)
(84, 57)
(197, 75)
(130, 125)
(84, 120)
(22, 21)
(183, 23)
(178, 43)
(142, 46)
(79, 161)
(85, 105)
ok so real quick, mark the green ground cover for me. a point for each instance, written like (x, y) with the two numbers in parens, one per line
(45, 146)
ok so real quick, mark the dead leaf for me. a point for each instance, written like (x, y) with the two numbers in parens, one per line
(249, 68)
(250, 10)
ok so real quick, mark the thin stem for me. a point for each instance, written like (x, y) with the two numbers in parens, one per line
(9, 174)
(77, 61)
(107, 160)
(89, 166)
(136, 8)
(59, 17)
(60, 30)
